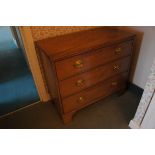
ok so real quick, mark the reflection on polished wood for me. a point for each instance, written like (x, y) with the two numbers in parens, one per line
(84, 67)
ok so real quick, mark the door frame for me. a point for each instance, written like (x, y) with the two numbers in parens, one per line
(148, 121)
(33, 61)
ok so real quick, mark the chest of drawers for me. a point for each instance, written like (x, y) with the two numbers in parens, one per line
(84, 67)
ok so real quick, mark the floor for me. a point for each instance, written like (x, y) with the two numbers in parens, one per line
(114, 112)
(17, 88)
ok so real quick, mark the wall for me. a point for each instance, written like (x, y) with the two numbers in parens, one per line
(144, 59)
(146, 55)
(42, 32)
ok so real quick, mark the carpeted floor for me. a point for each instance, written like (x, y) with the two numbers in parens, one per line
(17, 88)
(114, 112)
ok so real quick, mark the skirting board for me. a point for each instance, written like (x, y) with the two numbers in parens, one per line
(136, 89)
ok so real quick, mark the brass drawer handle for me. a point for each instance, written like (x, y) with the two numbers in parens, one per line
(80, 82)
(78, 64)
(118, 51)
(116, 67)
(114, 83)
(80, 99)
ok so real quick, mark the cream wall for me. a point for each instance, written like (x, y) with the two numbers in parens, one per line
(146, 55)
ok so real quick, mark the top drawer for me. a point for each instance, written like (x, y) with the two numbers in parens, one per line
(83, 62)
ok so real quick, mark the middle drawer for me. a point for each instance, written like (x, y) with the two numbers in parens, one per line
(92, 77)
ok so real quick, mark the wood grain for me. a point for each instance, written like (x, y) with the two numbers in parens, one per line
(92, 77)
(66, 68)
(84, 67)
(92, 94)
(77, 43)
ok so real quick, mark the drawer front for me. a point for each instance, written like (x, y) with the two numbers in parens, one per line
(81, 63)
(87, 79)
(92, 94)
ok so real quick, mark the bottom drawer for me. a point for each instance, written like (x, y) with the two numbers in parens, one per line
(92, 94)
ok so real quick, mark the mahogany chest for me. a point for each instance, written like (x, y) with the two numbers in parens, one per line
(84, 67)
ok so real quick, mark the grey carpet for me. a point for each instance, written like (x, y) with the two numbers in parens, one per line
(114, 112)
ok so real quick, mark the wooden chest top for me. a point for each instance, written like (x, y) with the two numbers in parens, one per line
(60, 47)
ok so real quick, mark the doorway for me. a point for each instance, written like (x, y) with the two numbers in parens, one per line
(17, 87)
